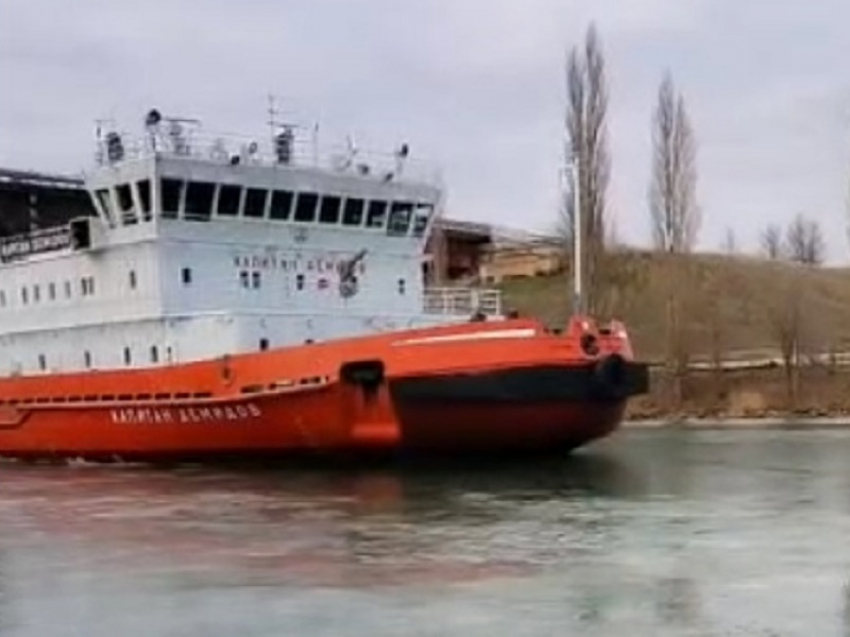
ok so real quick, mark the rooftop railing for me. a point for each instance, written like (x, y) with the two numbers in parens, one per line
(285, 150)
(462, 301)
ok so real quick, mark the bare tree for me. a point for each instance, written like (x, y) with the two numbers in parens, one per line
(771, 241)
(805, 243)
(786, 319)
(673, 208)
(587, 147)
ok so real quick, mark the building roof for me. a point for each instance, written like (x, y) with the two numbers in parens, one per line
(12, 177)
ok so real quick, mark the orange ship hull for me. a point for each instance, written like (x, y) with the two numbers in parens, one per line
(510, 385)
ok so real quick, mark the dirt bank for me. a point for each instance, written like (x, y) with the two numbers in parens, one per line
(822, 392)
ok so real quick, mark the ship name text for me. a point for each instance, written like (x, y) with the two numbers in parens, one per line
(184, 415)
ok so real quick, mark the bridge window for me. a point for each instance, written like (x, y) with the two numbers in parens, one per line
(305, 207)
(255, 203)
(329, 212)
(281, 205)
(353, 213)
(199, 201)
(400, 214)
(106, 203)
(421, 217)
(125, 204)
(186, 276)
(172, 192)
(144, 190)
(228, 200)
(377, 214)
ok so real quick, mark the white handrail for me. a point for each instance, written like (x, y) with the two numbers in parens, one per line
(462, 301)
(229, 149)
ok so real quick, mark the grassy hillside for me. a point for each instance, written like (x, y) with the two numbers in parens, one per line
(737, 303)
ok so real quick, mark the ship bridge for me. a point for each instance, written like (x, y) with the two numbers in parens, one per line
(206, 245)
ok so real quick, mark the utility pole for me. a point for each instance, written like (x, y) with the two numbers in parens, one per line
(578, 292)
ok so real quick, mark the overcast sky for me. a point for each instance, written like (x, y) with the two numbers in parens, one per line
(476, 86)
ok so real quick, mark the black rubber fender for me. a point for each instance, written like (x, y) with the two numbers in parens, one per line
(610, 376)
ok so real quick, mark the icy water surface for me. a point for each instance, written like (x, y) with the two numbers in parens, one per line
(649, 533)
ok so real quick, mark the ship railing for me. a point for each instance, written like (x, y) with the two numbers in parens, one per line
(230, 149)
(463, 301)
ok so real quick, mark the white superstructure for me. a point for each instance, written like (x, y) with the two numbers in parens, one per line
(199, 250)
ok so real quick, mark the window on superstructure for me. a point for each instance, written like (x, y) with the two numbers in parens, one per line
(264, 344)
(128, 358)
(171, 191)
(25, 297)
(329, 210)
(125, 204)
(154, 354)
(105, 202)
(255, 203)
(36, 294)
(377, 216)
(186, 276)
(51, 291)
(87, 286)
(199, 201)
(2, 298)
(400, 215)
(87, 359)
(305, 207)
(421, 217)
(67, 289)
(281, 205)
(255, 280)
(42, 362)
(144, 189)
(299, 282)
(402, 286)
(133, 282)
(228, 200)
(244, 279)
(353, 213)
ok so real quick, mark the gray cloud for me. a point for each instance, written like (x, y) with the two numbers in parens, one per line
(475, 85)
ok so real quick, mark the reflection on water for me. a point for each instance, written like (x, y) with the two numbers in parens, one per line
(653, 533)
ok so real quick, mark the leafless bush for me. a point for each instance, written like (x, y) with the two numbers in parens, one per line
(804, 241)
